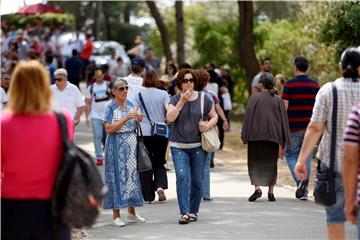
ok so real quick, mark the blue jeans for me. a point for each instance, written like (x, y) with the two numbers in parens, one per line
(98, 134)
(188, 165)
(206, 175)
(335, 213)
(292, 153)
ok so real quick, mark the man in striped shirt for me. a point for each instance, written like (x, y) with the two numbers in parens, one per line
(351, 167)
(299, 97)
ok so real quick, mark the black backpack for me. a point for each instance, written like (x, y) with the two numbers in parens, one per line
(78, 189)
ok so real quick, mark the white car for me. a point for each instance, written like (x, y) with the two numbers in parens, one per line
(102, 52)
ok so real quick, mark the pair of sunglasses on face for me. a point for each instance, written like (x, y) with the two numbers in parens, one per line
(186, 80)
(123, 88)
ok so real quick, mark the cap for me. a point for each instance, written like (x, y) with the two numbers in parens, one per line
(139, 62)
(61, 71)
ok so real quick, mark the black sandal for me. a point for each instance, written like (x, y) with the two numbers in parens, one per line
(192, 217)
(184, 219)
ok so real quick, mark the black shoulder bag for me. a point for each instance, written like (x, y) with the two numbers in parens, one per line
(78, 189)
(324, 191)
(159, 129)
(143, 159)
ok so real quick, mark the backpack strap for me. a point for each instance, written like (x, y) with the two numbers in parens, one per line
(143, 105)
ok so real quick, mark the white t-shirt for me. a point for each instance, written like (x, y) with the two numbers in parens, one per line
(100, 97)
(226, 101)
(70, 98)
(135, 86)
(4, 98)
(212, 87)
(112, 64)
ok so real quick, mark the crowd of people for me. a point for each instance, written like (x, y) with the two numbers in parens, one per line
(283, 119)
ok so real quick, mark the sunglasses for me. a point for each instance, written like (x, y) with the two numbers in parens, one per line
(186, 80)
(123, 88)
(58, 79)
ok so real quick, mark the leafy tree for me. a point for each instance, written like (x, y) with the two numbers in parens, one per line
(342, 26)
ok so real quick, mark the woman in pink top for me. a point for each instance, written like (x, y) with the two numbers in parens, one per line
(31, 150)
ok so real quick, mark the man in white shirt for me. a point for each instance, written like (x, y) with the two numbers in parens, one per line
(67, 96)
(97, 96)
(135, 79)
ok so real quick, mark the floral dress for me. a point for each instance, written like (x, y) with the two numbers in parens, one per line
(121, 175)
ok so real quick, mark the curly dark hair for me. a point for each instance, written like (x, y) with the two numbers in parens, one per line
(181, 75)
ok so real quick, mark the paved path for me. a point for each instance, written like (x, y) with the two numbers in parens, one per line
(229, 216)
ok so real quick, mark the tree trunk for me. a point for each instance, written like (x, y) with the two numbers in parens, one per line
(162, 28)
(248, 58)
(180, 33)
(98, 10)
(107, 21)
(126, 13)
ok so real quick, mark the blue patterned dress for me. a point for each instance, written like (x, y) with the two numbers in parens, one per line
(121, 175)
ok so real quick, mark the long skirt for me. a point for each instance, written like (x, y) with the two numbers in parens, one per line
(262, 162)
(121, 175)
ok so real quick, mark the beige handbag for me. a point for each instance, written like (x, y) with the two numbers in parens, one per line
(209, 140)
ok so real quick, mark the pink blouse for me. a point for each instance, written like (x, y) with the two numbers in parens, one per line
(31, 150)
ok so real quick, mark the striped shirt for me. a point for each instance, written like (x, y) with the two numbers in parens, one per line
(352, 138)
(348, 95)
(300, 92)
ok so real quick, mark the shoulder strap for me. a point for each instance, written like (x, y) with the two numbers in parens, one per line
(333, 127)
(143, 105)
(63, 127)
(91, 89)
(202, 103)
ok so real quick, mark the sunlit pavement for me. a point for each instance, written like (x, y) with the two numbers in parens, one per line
(228, 216)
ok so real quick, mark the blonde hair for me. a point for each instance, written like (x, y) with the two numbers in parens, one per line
(29, 91)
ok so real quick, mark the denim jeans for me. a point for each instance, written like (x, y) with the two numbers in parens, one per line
(335, 213)
(292, 153)
(188, 165)
(206, 175)
(98, 134)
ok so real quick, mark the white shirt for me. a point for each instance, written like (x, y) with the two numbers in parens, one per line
(70, 98)
(135, 86)
(100, 98)
(348, 95)
(4, 98)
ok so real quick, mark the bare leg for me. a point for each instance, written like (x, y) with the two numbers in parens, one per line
(336, 231)
(131, 210)
(271, 189)
(116, 213)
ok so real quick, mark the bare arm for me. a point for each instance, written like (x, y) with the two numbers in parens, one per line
(350, 171)
(78, 113)
(204, 126)
(221, 113)
(111, 128)
(312, 136)
(87, 109)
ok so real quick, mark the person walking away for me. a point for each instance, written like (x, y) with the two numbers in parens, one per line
(74, 67)
(135, 79)
(265, 66)
(121, 175)
(351, 167)
(299, 97)
(156, 102)
(348, 93)
(97, 96)
(264, 129)
(185, 143)
(30, 157)
(67, 96)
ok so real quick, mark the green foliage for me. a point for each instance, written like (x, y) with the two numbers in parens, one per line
(283, 40)
(47, 19)
(342, 26)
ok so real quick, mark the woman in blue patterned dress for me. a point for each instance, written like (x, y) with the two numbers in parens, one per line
(121, 175)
